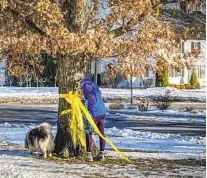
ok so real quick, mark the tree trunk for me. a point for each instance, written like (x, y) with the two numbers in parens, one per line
(64, 145)
(76, 16)
(63, 141)
(76, 22)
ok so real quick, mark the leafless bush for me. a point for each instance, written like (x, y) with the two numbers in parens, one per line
(163, 100)
(143, 105)
(188, 109)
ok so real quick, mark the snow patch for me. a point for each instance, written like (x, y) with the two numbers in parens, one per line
(120, 116)
(52, 92)
(147, 136)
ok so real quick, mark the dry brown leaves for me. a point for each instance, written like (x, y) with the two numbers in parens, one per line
(126, 28)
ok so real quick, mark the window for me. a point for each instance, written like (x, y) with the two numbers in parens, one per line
(192, 45)
(182, 47)
(172, 73)
(146, 73)
(176, 73)
(201, 71)
(195, 45)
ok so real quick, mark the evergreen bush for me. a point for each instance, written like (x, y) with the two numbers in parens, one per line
(194, 81)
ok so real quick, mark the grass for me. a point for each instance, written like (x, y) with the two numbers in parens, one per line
(140, 163)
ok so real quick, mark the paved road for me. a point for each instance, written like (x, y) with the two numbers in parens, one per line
(48, 113)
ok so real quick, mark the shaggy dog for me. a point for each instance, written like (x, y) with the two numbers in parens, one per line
(40, 139)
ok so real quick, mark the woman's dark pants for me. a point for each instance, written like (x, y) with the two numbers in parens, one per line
(99, 120)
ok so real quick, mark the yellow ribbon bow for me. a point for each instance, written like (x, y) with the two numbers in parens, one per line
(76, 121)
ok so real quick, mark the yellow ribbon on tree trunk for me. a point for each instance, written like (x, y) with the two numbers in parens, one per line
(76, 121)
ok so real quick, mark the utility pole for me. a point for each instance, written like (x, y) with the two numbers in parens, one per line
(131, 89)
(95, 72)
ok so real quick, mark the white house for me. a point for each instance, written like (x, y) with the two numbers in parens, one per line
(195, 16)
(175, 77)
(199, 66)
(138, 82)
(180, 22)
(99, 67)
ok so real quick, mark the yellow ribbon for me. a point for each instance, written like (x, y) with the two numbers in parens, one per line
(76, 121)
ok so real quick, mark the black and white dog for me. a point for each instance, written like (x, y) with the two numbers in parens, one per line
(40, 139)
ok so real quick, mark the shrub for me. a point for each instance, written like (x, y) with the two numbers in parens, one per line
(194, 81)
(172, 85)
(184, 86)
(165, 77)
(162, 80)
(187, 86)
(158, 81)
(116, 106)
(143, 105)
(177, 86)
(188, 109)
(163, 101)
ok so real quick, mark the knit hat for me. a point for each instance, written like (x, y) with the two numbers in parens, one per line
(78, 76)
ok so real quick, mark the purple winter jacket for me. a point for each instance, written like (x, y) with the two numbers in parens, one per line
(92, 93)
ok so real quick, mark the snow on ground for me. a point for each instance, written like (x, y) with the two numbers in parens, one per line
(188, 146)
(124, 93)
(153, 111)
(153, 137)
(150, 146)
(24, 167)
(28, 91)
(174, 112)
(164, 113)
(170, 119)
(171, 6)
(157, 155)
(184, 146)
(199, 94)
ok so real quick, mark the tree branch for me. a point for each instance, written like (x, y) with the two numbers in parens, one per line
(193, 18)
(28, 22)
(125, 28)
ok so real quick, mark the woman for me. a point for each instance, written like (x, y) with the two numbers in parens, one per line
(97, 109)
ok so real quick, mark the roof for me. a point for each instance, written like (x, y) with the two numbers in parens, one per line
(181, 21)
